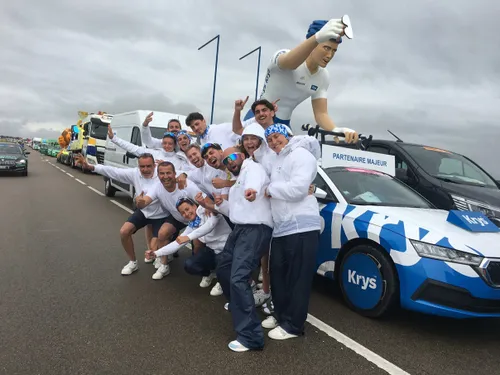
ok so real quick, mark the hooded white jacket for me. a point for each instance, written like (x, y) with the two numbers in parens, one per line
(293, 171)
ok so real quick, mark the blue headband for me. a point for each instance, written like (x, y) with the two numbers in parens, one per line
(277, 128)
(315, 27)
(183, 132)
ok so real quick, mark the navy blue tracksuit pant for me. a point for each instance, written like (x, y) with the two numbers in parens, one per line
(241, 256)
(202, 263)
(292, 267)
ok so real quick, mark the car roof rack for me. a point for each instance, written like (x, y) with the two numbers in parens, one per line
(315, 131)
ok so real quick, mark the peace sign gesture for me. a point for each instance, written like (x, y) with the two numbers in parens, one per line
(240, 104)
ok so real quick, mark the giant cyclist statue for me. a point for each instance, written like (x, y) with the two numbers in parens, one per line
(297, 74)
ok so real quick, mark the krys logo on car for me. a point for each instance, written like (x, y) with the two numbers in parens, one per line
(362, 281)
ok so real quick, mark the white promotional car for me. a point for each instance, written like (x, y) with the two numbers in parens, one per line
(387, 246)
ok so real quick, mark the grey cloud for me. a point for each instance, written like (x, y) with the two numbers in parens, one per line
(424, 69)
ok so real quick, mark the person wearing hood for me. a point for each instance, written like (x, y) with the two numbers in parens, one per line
(252, 139)
(297, 226)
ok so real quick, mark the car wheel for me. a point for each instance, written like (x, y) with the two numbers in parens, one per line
(109, 190)
(368, 281)
(25, 173)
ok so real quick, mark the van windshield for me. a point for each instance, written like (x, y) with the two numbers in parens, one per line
(448, 166)
(157, 132)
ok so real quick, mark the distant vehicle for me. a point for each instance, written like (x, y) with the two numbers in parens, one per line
(449, 180)
(13, 158)
(127, 126)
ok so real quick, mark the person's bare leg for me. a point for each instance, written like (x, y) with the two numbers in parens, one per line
(165, 234)
(148, 233)
(126, 232)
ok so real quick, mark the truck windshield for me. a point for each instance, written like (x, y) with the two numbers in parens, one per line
(372, 188)
(449, 166)
(98, 129)
(157, 132)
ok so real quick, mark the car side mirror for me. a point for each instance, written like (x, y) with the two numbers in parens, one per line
(130, 155)
(320, 193)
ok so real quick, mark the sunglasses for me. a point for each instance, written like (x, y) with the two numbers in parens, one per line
(231, 157)
(170, 134)
(207, 146)
(185, 200)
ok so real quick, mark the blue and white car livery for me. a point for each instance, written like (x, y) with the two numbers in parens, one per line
(386, 245)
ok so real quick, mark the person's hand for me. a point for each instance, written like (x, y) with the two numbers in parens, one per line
(275, 105)
(140, 200)
(110, 132)
(333, 29)
(182, 239)
(182, 181)
(218, 183)
(218, 199)
(80, 160)
(150, 254)
(148, 119)
(351, 136)
(199, 199)
(158, 161)
(250, 195)
(312, 188)
(240, 104)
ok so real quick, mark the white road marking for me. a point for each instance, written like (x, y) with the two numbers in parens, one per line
(70, 175)
(364, 352)
(95, 191)
(80, 181)
(122, 206)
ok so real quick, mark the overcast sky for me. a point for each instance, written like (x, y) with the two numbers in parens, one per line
(427, 70)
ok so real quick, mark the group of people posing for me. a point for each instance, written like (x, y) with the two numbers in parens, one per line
(241, 195)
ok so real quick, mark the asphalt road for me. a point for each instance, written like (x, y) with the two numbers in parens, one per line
(65, 308)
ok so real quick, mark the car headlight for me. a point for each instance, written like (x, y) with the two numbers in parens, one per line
(466, 204)
(426, 250)
(21, 161)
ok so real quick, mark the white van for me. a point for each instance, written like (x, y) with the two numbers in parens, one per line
(127, 126)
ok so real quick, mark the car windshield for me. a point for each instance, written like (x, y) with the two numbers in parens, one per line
(372, 188)
(448, 166)
(99, 129)
(10, 149)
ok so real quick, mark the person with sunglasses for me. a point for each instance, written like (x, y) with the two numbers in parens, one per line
(212, 231)
(250, 211)
(143, 178)
(168, 194)
(167, 153)
(297, 225)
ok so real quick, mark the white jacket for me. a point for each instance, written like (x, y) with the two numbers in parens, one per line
(237, 208)
(293, 171)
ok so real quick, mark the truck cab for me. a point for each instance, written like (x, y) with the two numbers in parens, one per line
(95, 132)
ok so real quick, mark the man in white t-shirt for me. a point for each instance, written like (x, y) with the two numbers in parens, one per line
(168, 193)
(297, 74)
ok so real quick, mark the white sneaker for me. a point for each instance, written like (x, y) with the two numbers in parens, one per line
(157, 263)
(260, 297)
(268, 308)
(161, 272)
(206, 281)
(216, 290)
(146, 260)
(130, 268)
(270, 322)
(280, 334)
(235, 346)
